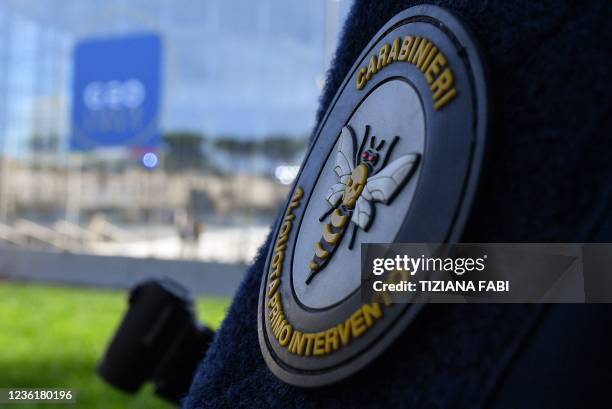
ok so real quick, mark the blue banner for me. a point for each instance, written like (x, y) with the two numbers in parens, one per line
(116, 92)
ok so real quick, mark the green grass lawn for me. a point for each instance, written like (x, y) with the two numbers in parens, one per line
(54, 337)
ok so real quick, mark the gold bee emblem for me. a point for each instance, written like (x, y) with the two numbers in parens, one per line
(364, 178)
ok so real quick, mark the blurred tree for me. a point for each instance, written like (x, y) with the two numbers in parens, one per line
(274, 147)
(283, 147)
(39, 143)
(184, 150)
(43, 148)
(235, 146)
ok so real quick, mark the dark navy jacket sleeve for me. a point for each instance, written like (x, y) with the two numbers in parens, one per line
(546, 179)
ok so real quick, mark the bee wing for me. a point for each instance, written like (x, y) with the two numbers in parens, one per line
(334, 194)
(383, 186)
(345, 154)
(362, 214)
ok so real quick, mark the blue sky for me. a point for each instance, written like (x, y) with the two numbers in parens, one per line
(240, 67)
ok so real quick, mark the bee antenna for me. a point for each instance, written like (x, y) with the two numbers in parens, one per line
(393, 143)
(380, 145)
(372, 141)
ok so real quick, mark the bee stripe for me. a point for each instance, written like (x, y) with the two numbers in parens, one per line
(321, 252)
(329, 236)
(339, 220)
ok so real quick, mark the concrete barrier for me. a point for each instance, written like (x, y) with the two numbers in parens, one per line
(20, 264)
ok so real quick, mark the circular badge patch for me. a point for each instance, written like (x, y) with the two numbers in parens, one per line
(395, 159)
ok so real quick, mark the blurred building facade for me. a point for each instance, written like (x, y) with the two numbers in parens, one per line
(239, 92)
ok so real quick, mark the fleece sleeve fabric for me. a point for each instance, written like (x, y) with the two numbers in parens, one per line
(547, 178)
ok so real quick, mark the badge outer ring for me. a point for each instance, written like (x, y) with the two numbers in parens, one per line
(456, 30)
